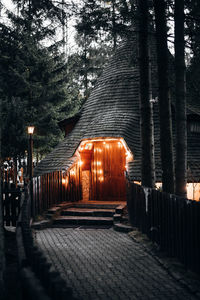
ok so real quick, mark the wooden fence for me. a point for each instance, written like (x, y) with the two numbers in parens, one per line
(170, 221)
(11, 200)
(54, 188)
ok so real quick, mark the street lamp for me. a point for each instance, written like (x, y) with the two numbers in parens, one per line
(31, 129)
(30, 152)
(30, 165)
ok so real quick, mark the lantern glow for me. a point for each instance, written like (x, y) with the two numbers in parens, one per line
(31, 129)
(88, 146)
(80, 162)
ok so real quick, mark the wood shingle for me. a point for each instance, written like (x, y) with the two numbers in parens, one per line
(112, 110)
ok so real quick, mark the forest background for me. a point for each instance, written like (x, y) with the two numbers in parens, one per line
(43, 81)
(45, 77)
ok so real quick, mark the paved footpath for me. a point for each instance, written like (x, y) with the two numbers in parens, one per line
(105, 264)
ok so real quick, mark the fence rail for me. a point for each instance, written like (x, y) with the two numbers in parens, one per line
(49, 190)
(170, 221)
(11, 206)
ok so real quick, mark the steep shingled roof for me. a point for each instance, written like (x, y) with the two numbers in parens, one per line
(109, 111)
(112, 110)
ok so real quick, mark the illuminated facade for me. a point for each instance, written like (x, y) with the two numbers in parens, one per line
(102, 141)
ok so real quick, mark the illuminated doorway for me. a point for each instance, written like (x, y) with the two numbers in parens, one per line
(103, 166)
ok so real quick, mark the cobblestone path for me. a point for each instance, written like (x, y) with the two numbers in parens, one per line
(105, 264)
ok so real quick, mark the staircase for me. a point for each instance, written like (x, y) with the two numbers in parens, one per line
(89, 214)
(86, 215)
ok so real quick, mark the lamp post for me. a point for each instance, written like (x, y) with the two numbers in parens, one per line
(30, 164)
(30, 152)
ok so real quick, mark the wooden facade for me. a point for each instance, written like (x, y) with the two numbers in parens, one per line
(112, 111)
(97, 174)
(106, 163)
(56, 187)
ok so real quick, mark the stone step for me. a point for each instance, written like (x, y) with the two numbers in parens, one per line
(82, 220)
(117, 217)
(95, 205)
(75, 211)
(119, 209)
(53, 211)
(41, 224)
(122, 227)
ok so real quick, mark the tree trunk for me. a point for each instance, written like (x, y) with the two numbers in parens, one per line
(86, 92)
(166, 142)
(181, 129)
(64, 31)
(2, 245)
(147, 170)
(114, 25)
(15, 171)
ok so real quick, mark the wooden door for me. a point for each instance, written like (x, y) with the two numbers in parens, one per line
(107, 171)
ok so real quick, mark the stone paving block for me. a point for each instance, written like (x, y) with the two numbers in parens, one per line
(105, 264)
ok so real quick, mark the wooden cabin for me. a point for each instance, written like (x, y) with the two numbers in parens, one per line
(102, 142)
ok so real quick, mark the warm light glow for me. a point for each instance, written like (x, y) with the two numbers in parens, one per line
(137, 182)
(85, 146)
(129, 155)
(158, 185)
(100, 171)
(31, 129)
(72, 172)
(80, 162)
(193, 191)
(88, 146)
(101, 178)
(65, 181)
(120, 141)
(119, 144)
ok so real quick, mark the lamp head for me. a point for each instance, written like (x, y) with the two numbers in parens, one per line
(31, 129)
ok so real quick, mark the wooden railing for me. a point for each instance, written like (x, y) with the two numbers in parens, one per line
(170, 221)
(11, 200)
(49, 190)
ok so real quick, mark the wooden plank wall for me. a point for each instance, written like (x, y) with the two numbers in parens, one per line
(107, 167)
(170, 221)
(56, 187)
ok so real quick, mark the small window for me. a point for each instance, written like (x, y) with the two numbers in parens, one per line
(195, 127)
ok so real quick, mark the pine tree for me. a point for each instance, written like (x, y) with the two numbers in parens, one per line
(192, 37)
(33, 79)
(181, 129)
(100, 27)
(147, 169)
(166, 142)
